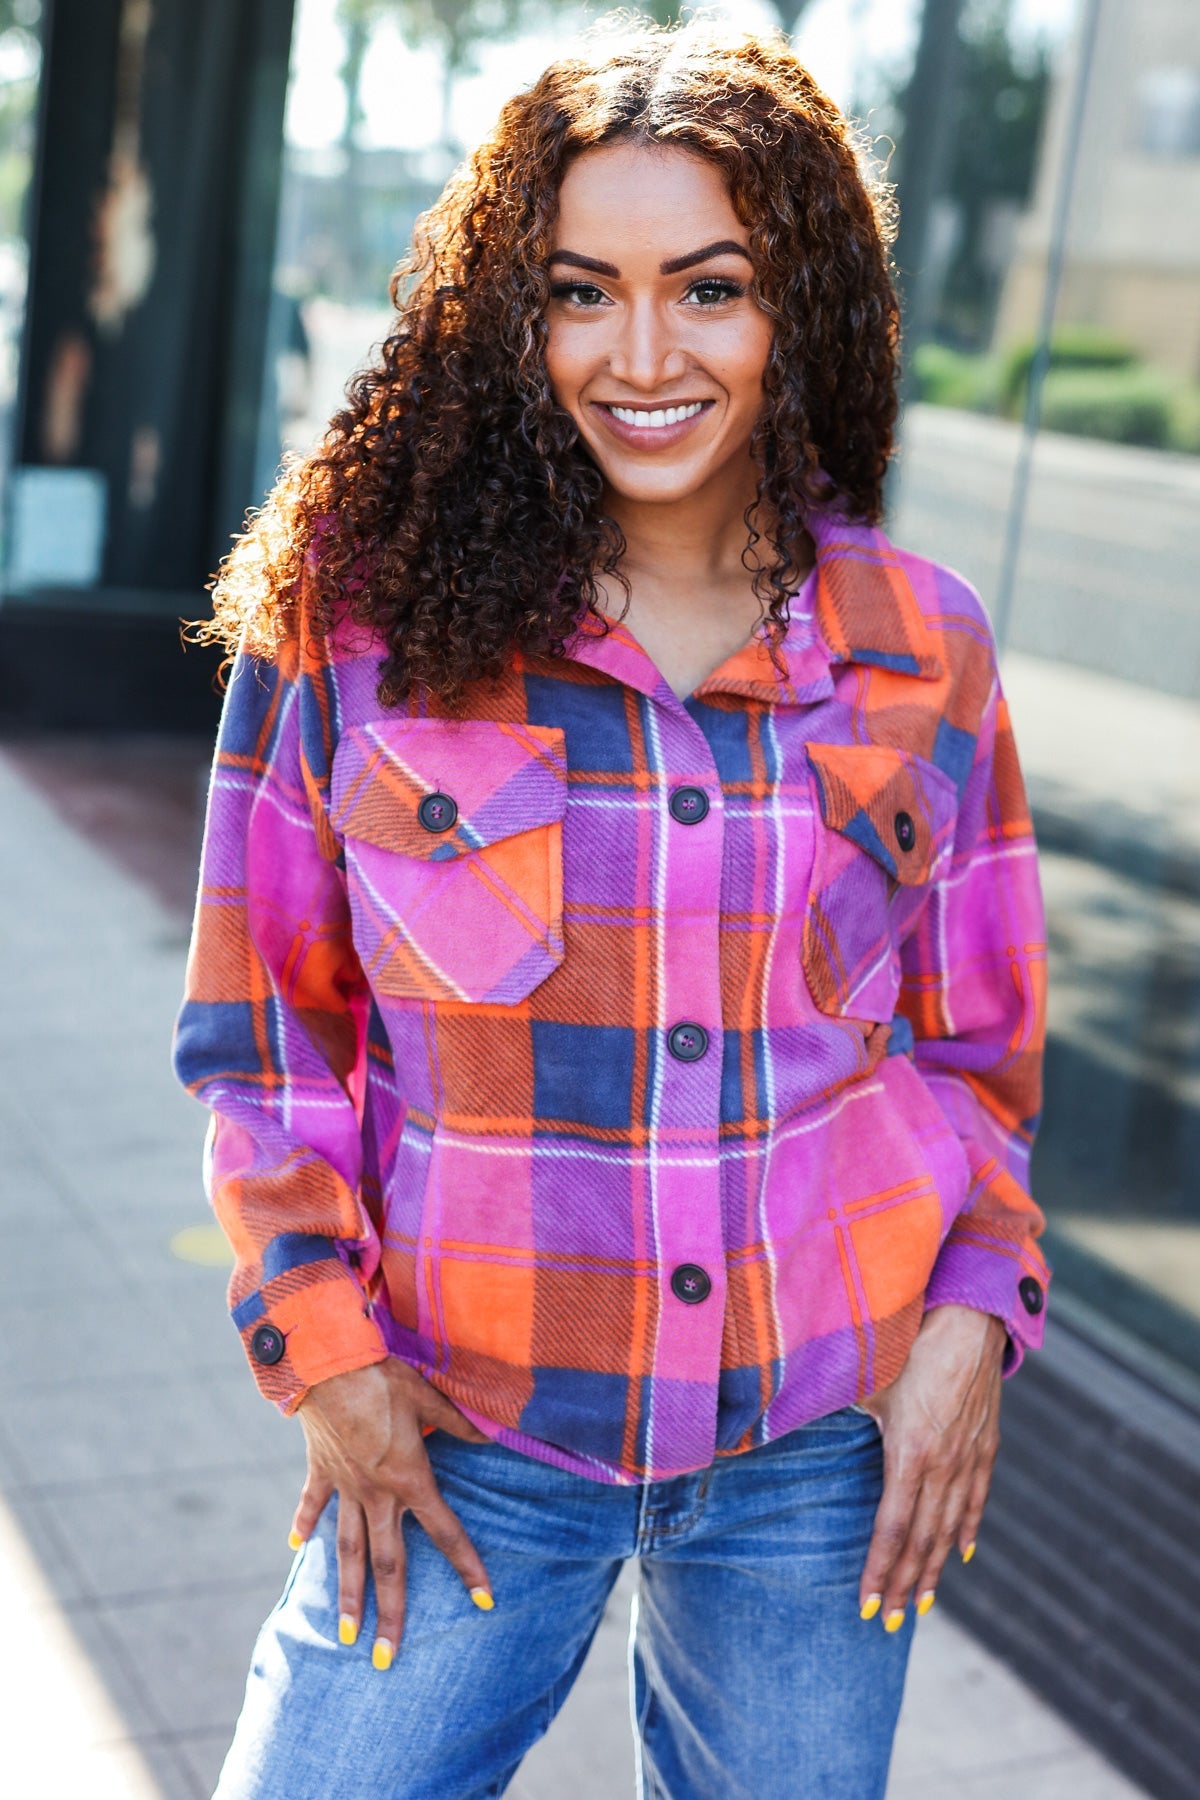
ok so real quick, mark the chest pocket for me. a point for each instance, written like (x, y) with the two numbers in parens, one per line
(453, 840)
(885, 833)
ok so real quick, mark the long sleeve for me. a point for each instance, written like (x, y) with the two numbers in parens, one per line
(270, 1036)
(974, 990)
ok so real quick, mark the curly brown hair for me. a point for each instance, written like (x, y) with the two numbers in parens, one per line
(451, 507)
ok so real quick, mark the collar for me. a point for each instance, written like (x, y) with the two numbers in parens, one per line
(856, 606)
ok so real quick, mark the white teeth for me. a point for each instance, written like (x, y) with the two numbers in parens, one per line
(654, 421)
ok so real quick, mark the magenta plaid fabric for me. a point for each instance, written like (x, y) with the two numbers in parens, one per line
(637, 1069)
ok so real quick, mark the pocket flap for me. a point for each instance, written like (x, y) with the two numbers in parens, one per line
(897, 807)
(503, 778)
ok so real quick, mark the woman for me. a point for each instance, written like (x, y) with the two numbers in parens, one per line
(618, 973)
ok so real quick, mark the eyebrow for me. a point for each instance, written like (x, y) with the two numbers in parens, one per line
(675, 265)
(723, 247)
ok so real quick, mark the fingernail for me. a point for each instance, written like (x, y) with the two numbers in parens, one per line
(969, 1552)
(347, 1630)
(381, 1654)
(295, 1541)
(482, 1599)
(925, 1602)
(870, 1606)
(894, 1621)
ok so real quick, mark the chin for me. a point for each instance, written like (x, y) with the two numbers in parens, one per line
(660, 487)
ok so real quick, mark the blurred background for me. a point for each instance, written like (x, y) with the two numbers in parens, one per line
(199, 210)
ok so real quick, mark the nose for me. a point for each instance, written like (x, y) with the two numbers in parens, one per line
(646, 354)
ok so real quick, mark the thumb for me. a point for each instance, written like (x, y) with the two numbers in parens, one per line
(443, 1415)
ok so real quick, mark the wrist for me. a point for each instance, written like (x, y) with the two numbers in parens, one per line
(952, 1318)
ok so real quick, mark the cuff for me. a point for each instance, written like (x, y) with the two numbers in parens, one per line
(320, 1327)
(1010, 1283)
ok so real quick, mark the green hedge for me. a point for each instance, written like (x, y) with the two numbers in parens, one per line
(947, 377)
(1112, 396)
(1123, 405)
(1071, 347)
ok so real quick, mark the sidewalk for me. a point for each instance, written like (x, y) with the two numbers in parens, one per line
(146, 1489)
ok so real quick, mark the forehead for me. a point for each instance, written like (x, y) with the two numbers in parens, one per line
(624, 195)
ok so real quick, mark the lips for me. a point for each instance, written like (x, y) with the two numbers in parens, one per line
(649, 427)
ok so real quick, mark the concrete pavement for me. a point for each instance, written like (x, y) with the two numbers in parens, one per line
(146, 1489)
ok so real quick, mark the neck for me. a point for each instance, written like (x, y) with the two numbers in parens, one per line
(697, 542)
(691, 601)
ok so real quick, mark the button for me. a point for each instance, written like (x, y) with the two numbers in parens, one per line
(690, 1284)
(267, 1345)
(1032, 1297)
(689, 805)
(906, 831)
(687, 1042)
(437, 812)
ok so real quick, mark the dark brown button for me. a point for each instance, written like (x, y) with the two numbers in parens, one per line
(690, 1283)
(1032, 1297)
(906, 831)
(267, 1345)
(437, 812)
(687, 1042)
(689, 805)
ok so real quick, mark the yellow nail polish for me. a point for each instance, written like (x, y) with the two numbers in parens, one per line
(347, 1630)
(894, 1621)
(295, 1541)
(381, 1654)
(870, 1606)
(482, 1599)
(969, 1552)
(925, 1602)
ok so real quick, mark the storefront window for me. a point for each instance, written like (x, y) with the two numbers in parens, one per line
(1090, 571)
(20, 68)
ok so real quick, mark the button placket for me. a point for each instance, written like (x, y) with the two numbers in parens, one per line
(688, 1205)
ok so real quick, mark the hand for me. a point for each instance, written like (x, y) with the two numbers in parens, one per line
(940, 1425)
(363, 1434)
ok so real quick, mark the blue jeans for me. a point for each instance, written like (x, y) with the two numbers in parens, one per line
(753, 1676)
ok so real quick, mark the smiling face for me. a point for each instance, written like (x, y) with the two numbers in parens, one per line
(656, 345)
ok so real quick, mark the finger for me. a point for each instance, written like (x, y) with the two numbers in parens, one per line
(919, 1547)
(893, 1516)
(352, 1567)
(927, 1578)
(388, 1570)
(445, 1529)
(977, 1494)
(442, 1413)
(314, 1498)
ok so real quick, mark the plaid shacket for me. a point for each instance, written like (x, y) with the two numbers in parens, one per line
(638, 1069)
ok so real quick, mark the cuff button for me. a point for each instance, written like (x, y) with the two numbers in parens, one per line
(1032, 1297)
(267, 1345)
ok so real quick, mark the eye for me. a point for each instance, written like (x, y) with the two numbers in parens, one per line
(583, 294)
(711, 290)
